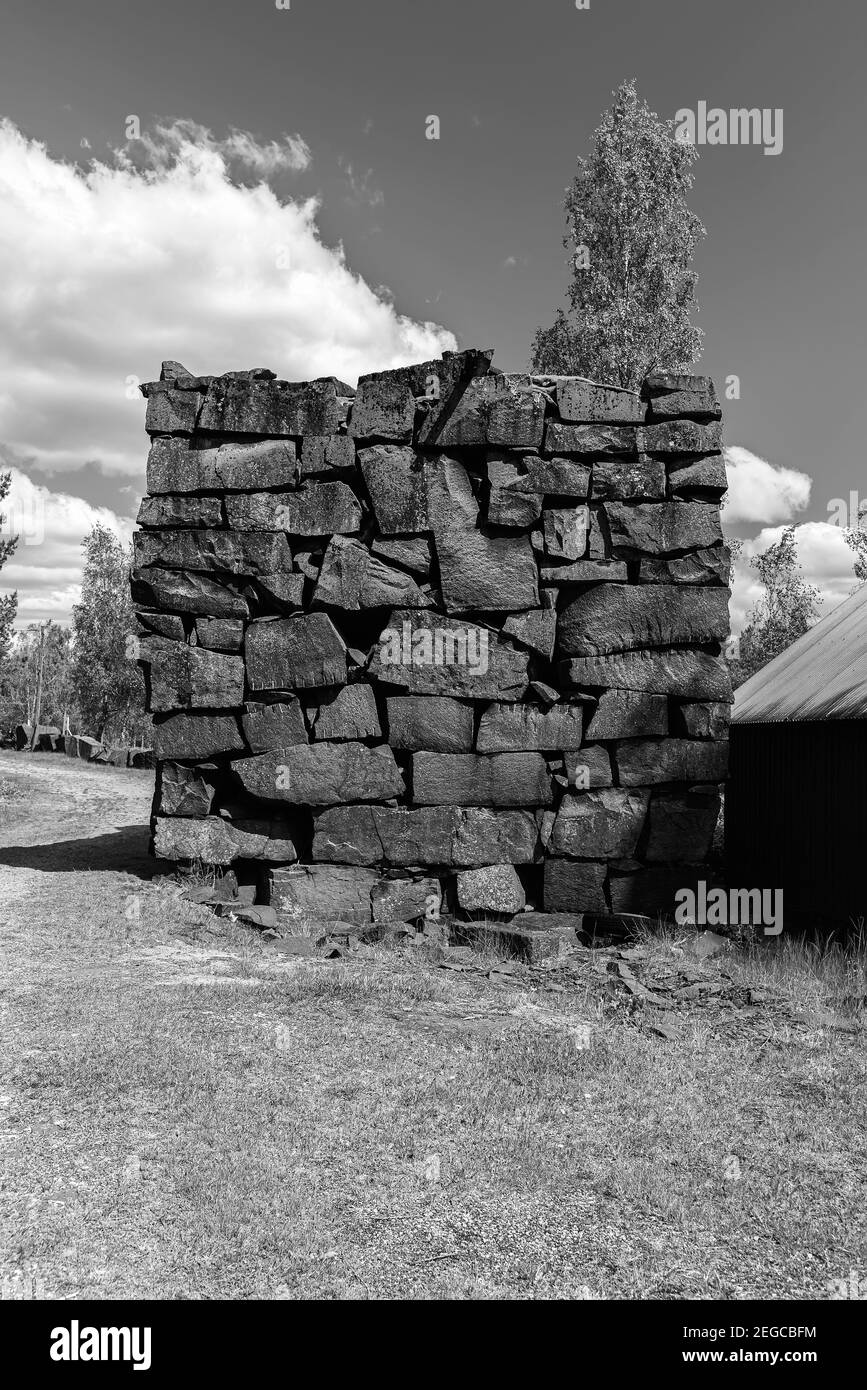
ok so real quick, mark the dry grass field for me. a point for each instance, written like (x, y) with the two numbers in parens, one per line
(187, 1112)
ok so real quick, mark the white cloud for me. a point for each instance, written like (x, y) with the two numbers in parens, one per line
(46, 566)
(762, 493)
(107, 270)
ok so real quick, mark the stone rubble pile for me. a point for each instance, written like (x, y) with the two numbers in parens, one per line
(449, 642)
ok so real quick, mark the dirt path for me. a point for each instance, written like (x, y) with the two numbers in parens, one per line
(186, 1113)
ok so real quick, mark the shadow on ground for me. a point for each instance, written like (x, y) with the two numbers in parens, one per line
(122, 850)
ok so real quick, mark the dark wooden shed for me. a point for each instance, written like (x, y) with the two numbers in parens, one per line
(796, 801)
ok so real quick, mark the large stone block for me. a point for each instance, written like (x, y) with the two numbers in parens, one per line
(177, 509)
(705, 478)
(662, 528)
(383, 408)
(182, 677)
(681, 825)
(516, 419)
(323, 893)
(397, 486)
(628, 480)
(442, 836)
(514, 727)
(683, 438)
(350, 714)
(709, 566)
(413, 553)
(231, 552)
(629, 714)
(642, 762)
(617, 617)
(429, 722)
(167, 625)
(536, 629)
(316, 509)
(170, 411)
(436, 387)
(673, 394)
(497, 574)
(463, 779)
(691, 675)
(603, 824)
(405, 899)
(196, 737)
(565, 531)
(589, 768)
(173, 467)
(510, 503)
(220, 634)
(294, 653)
(588, 403)
(431, 655)
(188, 593)
(212, 840)
(572, 886)
(651, 891)
(184, 791)
(597, 441)
(322, 774)
(351, 579)
(586, 572)
(496, 888)
(327, 453)
(706, 719)
(273, 408)
(269, 727)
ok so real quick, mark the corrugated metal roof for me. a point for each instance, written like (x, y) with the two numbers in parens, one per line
(821, 676)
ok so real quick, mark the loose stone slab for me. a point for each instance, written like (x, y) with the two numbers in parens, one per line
(682, 825)
(572, 886)
(662, 528)
(709, 566)
(177, 509)
(603, 824)
(165, 625)
(196, 737)
(271, 408)
(220, 634)
(536, 629)
(587, 402)
(397, 485)
(350, 714)
(446, 836)
(429, 723)
(173, 467)
(496, 888)
(294, 653)
(596, 440)
(586, 572)
(316, 509)
(691, 675)
(183, 677)
(496, 574)
(188, 593)
(625, 480)
(462, 779)
(282, 591)
(642, 762)
(269, 727)
(171, 412)
(533, 937)
(629, 714)
(431, 655)
(213, 840)
(508, 728)
(233, 552)
(510, 502)
(323, 892)
(327, 453)
(672, 394)
(352, 579)
(614, 617)
(322, 774)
